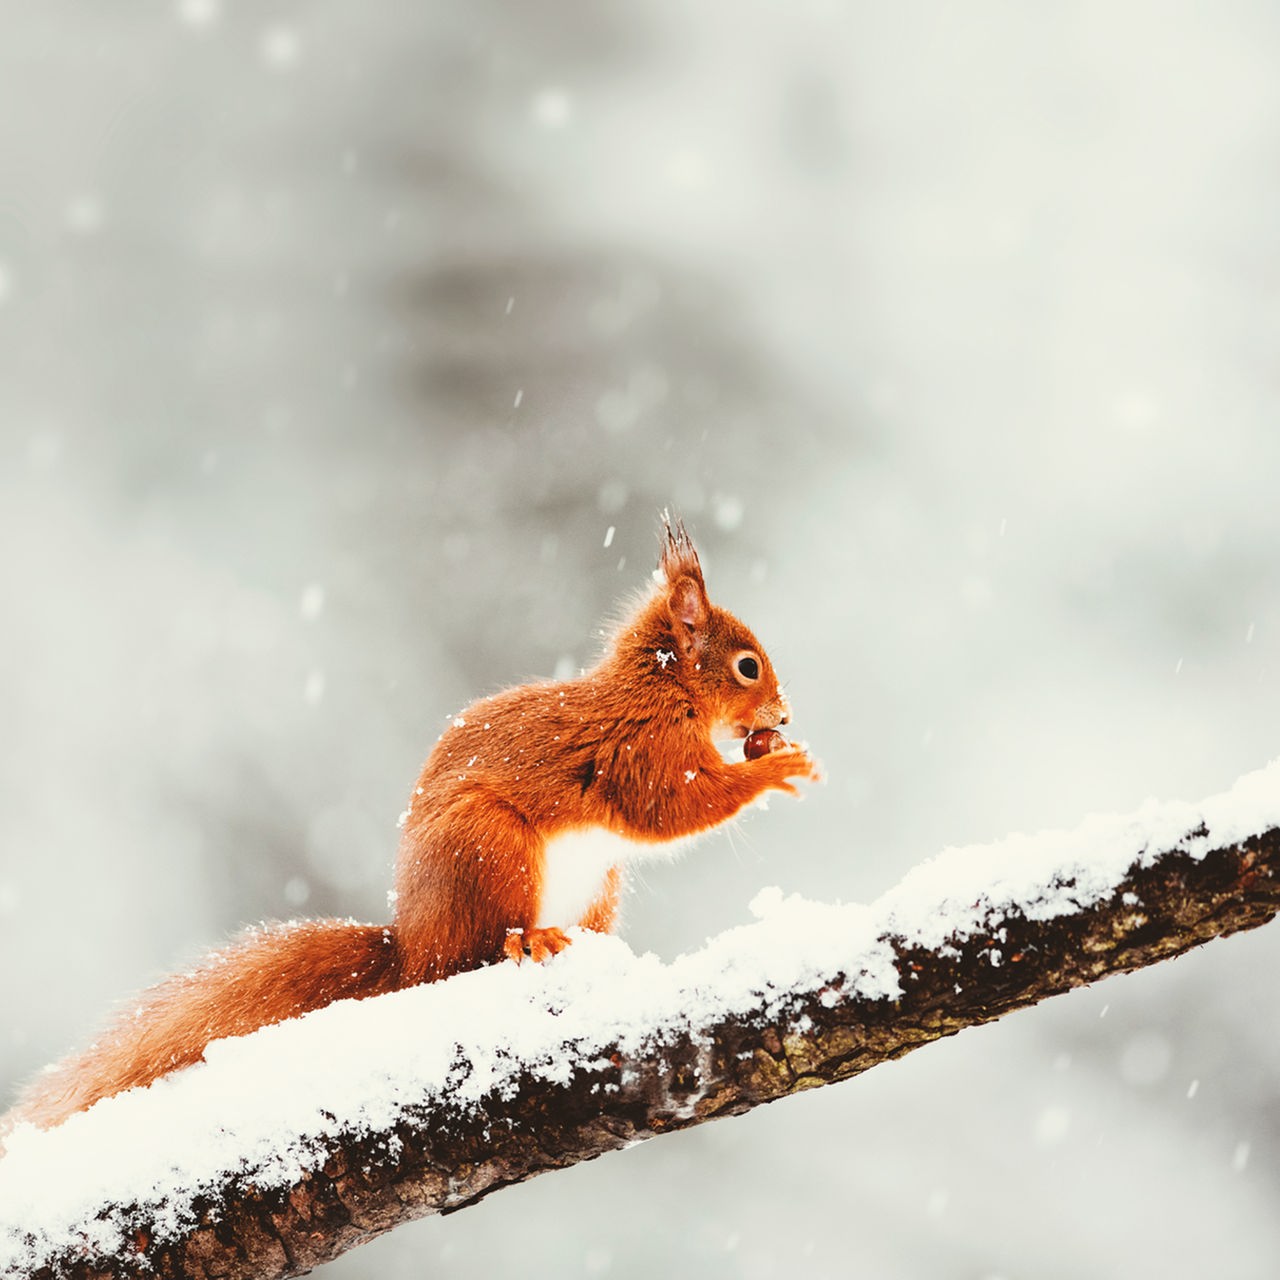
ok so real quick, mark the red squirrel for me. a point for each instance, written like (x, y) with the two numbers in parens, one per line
(526, 812)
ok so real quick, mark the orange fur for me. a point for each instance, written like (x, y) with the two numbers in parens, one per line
(269, 974)
(628, 747)
(603, 912)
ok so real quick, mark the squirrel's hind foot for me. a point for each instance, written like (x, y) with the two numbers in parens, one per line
(537, 944)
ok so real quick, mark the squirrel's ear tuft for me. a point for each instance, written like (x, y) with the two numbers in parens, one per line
(686, 596)
(679, 557)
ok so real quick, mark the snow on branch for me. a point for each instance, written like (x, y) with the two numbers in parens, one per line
(290, 1146)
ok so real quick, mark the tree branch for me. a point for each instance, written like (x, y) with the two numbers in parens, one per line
(946, 950)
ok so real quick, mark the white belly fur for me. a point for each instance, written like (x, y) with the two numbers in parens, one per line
(575, 868)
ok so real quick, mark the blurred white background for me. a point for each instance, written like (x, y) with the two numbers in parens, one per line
(334, 338)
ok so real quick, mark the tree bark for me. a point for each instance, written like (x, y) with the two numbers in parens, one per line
(438, 1160)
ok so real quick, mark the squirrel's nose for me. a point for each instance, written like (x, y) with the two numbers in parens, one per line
(786, 715)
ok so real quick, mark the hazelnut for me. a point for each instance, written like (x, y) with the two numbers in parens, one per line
(762, 742)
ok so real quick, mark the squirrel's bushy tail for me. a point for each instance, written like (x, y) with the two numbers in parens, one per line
(270, 973)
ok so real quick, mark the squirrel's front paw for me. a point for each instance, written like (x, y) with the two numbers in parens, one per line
(537, 944)
(787, 762)
(800, 764)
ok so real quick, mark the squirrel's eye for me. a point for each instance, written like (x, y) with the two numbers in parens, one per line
(746, 668)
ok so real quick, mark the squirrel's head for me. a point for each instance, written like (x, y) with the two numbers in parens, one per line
(720, 663)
